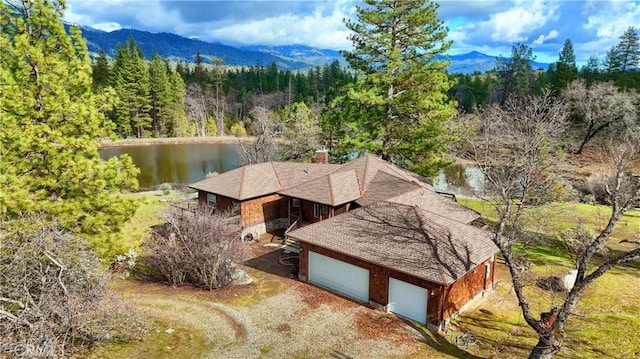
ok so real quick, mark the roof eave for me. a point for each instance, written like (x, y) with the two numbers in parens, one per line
(369, 261)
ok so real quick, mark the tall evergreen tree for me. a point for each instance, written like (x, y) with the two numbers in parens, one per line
(131, 82)
(401, 96)
(160, 91)
(217, 76)
(515, 74)
(178, 125)
(51, 129)
(591, 71)
(565, 70)
(628, 50)
(100, 70)
(612, 62)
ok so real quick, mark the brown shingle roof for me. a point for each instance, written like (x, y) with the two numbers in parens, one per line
(367, 166)
(385, 185)
(261, 179)
(435, 203)
(403, 238)
(333, 189)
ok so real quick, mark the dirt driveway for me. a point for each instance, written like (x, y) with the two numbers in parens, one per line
(274, 317)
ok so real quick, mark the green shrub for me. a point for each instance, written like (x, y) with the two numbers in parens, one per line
(165, 188)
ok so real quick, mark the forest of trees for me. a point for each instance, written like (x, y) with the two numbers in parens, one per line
(159, 99)
(514, 76)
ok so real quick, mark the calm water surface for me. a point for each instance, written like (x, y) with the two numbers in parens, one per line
(178, 163)
(188, 163)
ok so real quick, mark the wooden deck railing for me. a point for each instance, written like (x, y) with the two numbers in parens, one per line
(293, 226)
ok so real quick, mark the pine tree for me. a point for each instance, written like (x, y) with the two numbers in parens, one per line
(178, 125)
(160, 91)
(628, 50)
(131, 81)
(565, 70)
(515, 77)
(51, 129)
(591, 71)
(100, 70)
(612, 62)
(401, 96)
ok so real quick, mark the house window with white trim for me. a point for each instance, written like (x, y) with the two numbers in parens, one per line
(211, 199)
(317, 210)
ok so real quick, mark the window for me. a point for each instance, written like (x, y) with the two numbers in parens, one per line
(211, 199)
(487, 270)
(317, 209)
(296, 203)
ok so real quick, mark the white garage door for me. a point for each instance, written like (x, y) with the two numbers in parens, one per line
(339, 276)
(408, 300)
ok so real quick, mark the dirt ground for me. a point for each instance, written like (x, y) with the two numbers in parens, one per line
(276, 316)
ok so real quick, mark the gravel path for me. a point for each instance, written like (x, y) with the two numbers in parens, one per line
(278, 317)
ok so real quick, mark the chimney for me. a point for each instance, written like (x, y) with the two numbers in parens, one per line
(321, 156)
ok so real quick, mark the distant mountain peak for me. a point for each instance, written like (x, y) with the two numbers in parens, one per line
(286, 57)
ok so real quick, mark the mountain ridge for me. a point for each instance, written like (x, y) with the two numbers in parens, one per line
(286, 57)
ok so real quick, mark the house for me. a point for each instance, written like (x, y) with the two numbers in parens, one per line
(367, 230)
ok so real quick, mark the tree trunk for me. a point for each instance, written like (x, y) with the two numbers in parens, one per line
(545, 349)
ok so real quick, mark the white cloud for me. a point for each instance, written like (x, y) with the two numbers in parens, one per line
(515, 24)
(553, 34)
(319, 29)
(613, 18)
(107, 26)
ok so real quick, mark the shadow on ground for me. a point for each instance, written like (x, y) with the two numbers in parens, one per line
(439, 342)
(266, 255)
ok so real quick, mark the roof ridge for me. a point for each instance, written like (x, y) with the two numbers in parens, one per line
(331, 195)
(364, 172)
(241, 187)
(277, 176)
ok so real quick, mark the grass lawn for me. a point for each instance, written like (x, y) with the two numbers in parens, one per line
(607, 320)
(152, 203)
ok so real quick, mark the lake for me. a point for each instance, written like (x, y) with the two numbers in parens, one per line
(177, 163)
(460, 179)
(188, 163)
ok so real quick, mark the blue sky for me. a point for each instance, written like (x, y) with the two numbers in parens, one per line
(487, 26)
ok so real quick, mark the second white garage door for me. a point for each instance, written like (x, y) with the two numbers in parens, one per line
(339, 276)
(408, 300)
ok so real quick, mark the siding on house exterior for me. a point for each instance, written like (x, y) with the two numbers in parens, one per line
(223, 203)
(468, 287)
(309, 214)
(263, 209)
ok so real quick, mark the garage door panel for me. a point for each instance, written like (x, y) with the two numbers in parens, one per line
(408, 300)
(339, 276)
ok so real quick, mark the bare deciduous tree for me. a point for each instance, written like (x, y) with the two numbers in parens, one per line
(263, 148)
(53, 296)
(197, 108)
(200, 247)
(600, 106)
(515, 153)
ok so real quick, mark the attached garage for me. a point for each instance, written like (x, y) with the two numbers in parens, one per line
(341, 277)
(408, 300)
